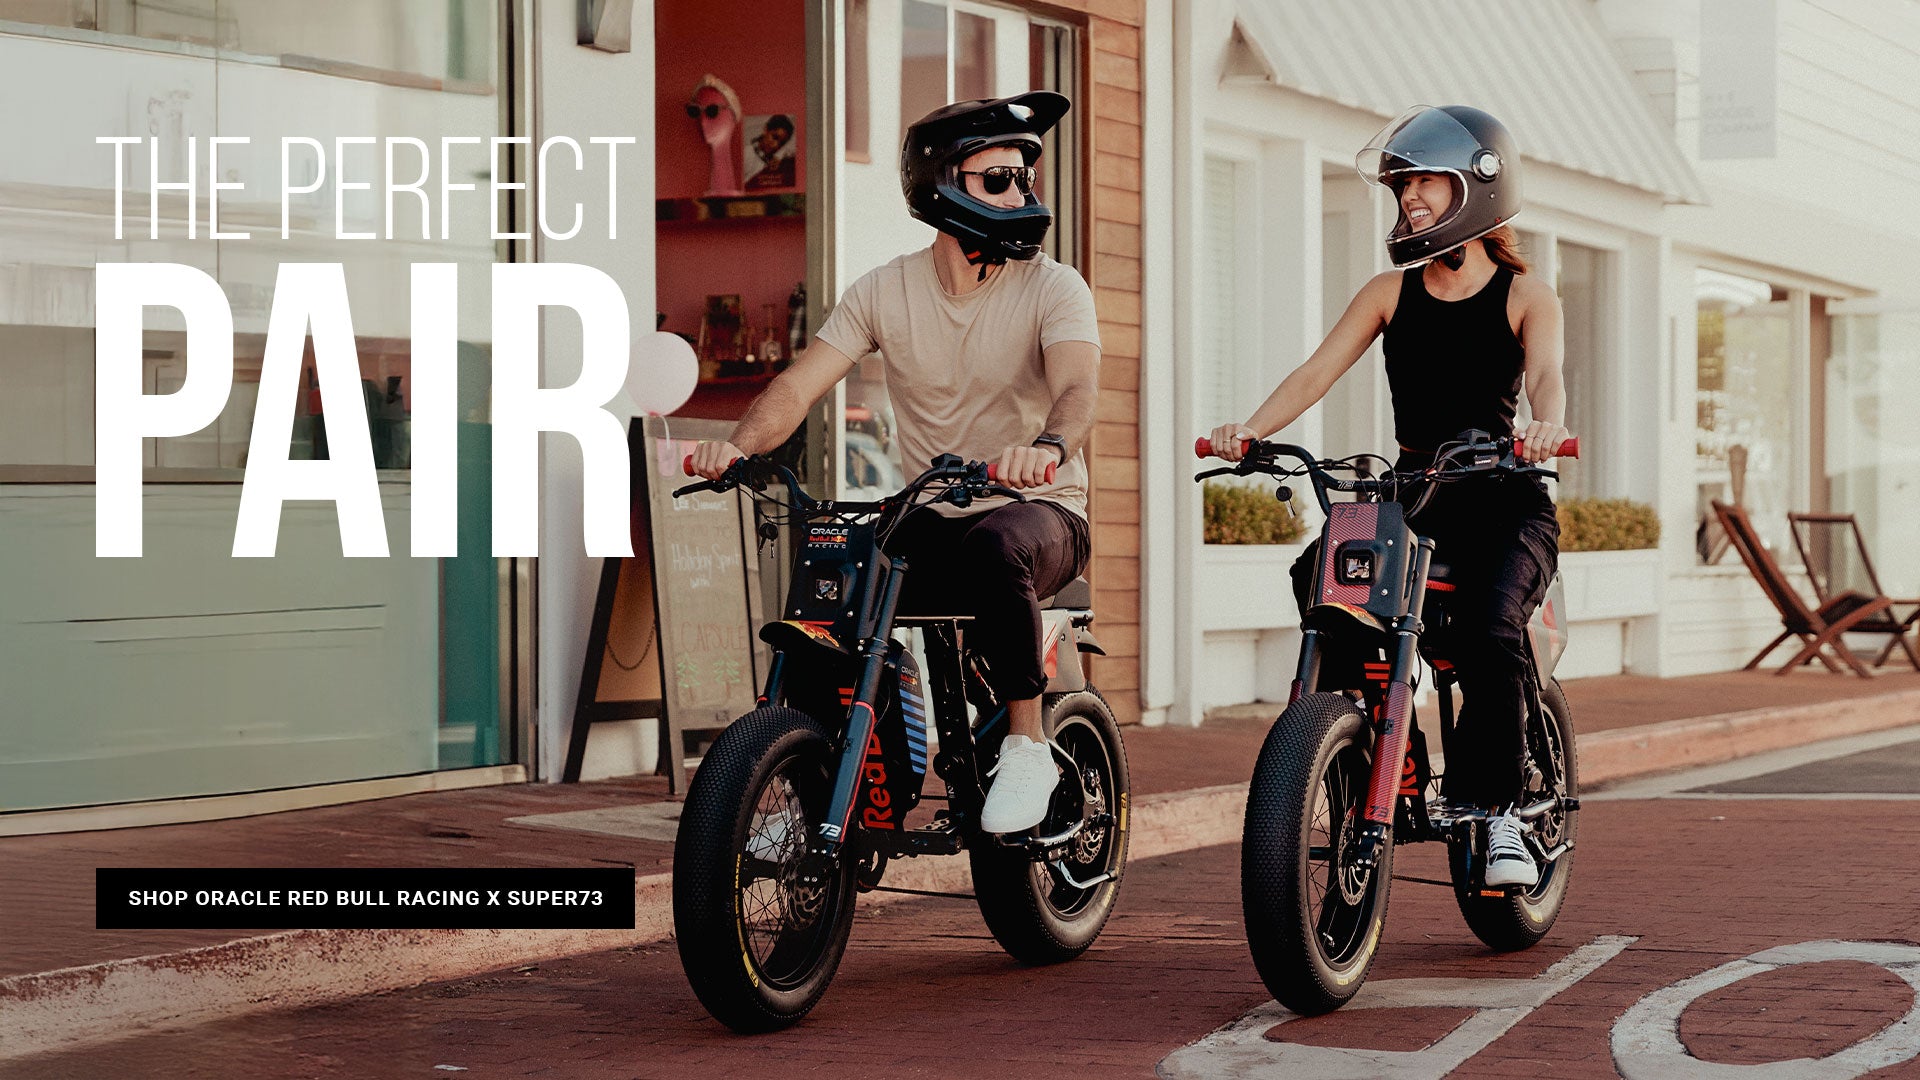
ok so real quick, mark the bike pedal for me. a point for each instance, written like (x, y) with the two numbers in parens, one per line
(1570, 803)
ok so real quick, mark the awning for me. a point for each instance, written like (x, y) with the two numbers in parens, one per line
(1544, 67)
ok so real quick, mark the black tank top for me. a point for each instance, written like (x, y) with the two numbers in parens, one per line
(1452, 365)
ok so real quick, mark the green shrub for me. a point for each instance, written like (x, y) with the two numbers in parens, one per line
(1243, 514)
(1589, 524)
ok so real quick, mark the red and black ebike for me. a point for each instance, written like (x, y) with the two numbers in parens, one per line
(1344, 773)
(802, 801)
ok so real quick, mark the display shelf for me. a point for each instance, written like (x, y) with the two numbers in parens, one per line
(786, 204)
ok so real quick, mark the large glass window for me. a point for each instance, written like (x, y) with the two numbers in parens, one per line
(945, 52)
(188, 672)
(1586, 305)
(1744, 431)
(1872, 448)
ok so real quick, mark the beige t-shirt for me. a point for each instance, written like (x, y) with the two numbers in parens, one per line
(967, 374)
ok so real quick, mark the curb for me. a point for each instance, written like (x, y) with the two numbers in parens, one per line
(1607, 756)
(66, 1009)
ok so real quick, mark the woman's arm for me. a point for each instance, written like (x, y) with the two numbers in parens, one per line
(1365, 317)
(1542, 336)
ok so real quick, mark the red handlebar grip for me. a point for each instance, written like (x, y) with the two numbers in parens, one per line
(1203, 446)
(686, 465)
(993, 472)
(1570, 448)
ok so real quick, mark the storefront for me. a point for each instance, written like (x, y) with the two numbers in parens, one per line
(1717, 340)
(193, 682)
(189, 673)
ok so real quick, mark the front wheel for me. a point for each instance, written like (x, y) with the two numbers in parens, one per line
(762, 922)
(1045, 912)
(1505, 920)
(1314, 914)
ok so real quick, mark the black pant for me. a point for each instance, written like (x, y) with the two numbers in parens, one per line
(996, 567)
(1500, 541)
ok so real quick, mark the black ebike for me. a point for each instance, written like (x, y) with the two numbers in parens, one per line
(802, 801)
(1344, 773)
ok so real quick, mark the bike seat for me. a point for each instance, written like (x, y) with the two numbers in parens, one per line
(1077, 595)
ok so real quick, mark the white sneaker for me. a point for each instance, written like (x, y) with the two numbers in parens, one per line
(1023, 784)
(1509, 862)
(772, 835)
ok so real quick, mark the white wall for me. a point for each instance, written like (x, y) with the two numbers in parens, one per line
(582, 92)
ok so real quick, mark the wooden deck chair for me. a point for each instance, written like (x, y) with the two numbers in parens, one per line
(1835, 553)
(1819, 629)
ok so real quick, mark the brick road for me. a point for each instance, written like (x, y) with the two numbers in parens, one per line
(925, 992)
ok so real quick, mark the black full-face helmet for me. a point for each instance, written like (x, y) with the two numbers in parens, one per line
(936, 193)
(1467, 146)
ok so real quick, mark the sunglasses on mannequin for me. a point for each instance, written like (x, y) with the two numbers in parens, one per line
(712, 111)
(996, 179)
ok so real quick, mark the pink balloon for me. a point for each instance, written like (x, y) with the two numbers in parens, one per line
(661, 375)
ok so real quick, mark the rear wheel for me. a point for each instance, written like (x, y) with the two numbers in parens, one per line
(1314, 915)
(1511, 920)
(1047, 912)
(761, 921)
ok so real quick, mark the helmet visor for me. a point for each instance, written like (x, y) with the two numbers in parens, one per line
(1422, 139)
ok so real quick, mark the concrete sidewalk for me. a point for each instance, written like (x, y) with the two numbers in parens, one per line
(63, 983)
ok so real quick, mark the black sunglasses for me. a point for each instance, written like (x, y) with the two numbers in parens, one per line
(693, 110)
(996, 179)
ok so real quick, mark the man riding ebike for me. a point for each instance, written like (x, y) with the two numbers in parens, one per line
(992, 351)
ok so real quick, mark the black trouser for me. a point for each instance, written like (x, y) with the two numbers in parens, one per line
(996, 567)
(1501, 543)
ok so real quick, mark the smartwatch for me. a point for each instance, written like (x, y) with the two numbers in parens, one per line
(1055, 441)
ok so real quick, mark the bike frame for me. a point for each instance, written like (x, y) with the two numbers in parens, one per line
(1372, 582)
(841, 616)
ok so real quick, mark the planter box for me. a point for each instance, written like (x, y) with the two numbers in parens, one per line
(1611, 584)
(1245, 587)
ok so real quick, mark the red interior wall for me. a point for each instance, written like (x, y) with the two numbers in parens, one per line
(758, 47)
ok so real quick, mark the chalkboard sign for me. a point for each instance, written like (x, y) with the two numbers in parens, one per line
(706, 578)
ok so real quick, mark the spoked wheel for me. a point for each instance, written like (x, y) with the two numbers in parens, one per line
(1044, 912)
(762, 921)
(1510, 920)
(1314, 916)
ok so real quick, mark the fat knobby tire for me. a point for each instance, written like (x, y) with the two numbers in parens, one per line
(1511, 922)
(1275, 890)
(706, 856)
(1011, 888)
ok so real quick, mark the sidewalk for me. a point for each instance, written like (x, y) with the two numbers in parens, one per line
(63, 982)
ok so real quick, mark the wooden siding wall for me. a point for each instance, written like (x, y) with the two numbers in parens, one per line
(1114, 82)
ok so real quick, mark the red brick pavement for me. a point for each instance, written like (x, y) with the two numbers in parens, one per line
(46, 889)
(924, 991)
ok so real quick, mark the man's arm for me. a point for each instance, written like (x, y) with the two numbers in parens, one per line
(1073, 378)
(778, 410)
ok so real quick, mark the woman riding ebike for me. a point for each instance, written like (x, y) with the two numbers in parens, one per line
(1464, 329)
(802, 801)
(1344, 773)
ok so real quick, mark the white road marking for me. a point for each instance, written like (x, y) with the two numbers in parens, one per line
(1241, 1048)
(1646, 1038)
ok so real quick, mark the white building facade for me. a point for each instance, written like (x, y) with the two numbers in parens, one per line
(1737, 328)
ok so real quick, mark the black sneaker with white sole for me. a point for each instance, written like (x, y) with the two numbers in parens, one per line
(1509, 861)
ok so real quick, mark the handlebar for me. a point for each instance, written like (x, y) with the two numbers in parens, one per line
(1475, 452)
(965, 480)
(1203, 447)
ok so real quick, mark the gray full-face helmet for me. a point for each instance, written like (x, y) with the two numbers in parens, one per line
(1463, 144)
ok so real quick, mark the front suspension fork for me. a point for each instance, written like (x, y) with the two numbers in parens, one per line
(860, 717)
(1396, 724)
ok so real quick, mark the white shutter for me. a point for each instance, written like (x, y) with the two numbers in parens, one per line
(1218, 381)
